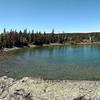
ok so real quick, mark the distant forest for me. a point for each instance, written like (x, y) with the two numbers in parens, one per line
(24, 38)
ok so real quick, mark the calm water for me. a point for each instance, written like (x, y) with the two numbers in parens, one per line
(61, 62)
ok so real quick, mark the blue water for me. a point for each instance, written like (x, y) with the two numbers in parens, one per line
(60, 62)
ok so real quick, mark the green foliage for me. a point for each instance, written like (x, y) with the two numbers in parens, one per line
(21, 39)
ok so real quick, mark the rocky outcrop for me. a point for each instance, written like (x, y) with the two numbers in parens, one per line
(38, 89)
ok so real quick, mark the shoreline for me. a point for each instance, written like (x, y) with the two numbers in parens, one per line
(48, 45)
(90, 43)
(29, 88)
(31, 46)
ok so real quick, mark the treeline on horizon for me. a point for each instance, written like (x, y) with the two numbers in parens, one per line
(24, 38)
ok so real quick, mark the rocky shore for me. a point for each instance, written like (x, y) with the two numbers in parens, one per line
(39, 89)
(49, 45)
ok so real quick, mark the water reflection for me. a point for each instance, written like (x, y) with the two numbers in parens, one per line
(60, 62)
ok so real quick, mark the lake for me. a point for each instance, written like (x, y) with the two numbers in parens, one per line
(81, 62)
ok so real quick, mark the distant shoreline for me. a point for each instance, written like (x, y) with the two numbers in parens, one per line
(31, 46)
(89, 43)
(49, 45)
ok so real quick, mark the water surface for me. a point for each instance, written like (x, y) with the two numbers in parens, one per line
(60, 62)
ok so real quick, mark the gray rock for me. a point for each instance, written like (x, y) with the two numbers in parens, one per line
(38, 89)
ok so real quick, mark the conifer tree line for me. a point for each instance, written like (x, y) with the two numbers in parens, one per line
(24, 38)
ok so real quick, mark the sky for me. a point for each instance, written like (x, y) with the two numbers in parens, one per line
(45, 15)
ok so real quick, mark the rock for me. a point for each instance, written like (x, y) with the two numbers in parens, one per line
(19, 95)
(39, 89)
(80, 98)
(5, 82)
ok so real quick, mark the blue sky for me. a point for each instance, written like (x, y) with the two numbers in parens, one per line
(44, 15)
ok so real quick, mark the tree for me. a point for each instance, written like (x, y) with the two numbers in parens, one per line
(4, 31)
(53, 31)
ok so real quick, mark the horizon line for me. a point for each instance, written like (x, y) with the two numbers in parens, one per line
(37, 31)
